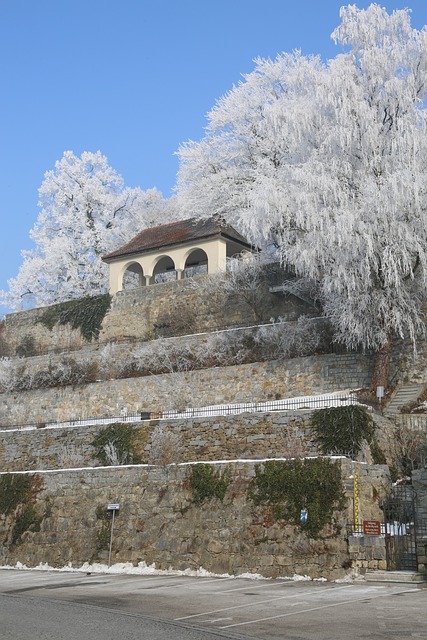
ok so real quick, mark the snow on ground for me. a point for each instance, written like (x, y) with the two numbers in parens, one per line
(142, 569)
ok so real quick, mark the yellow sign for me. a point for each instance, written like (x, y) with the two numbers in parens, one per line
(356, 498)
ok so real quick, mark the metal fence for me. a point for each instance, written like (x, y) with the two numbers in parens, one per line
(309, 403)
(288, 404)
(356, 529)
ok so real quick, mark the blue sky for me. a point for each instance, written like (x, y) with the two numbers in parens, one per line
(133, 79)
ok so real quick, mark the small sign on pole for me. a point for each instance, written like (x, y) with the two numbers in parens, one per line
(113, 507)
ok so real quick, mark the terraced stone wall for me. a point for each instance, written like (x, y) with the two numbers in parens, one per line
(160, 523)
(168, 309)
(255, 382)
(248, 436)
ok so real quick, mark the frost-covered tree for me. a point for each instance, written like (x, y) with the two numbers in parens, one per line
(328, 161)
(86, 211)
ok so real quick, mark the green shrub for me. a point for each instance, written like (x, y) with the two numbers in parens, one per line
(24, 521)
(103, 534)
(377, 453)
(290, 486)
(207, 483)
(342, 430)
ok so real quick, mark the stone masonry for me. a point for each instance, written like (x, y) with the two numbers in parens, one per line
(247, 436)
(255, 382)
(158, 523)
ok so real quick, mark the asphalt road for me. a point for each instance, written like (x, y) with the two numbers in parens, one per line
(48, 605)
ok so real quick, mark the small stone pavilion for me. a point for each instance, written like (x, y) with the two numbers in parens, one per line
(172, 252)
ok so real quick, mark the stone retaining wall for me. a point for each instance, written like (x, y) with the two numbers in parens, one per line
(248, 436)
(419, 481)
(168, 309)
(255, 382)
(367, 552)
(190, 306)
(158, 523)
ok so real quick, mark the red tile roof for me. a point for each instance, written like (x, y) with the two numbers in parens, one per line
(175, 233)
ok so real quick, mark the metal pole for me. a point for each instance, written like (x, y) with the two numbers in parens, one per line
(111, 539)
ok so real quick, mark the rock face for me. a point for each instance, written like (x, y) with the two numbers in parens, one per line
(160, 523)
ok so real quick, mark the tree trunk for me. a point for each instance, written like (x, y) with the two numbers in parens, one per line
(382, 359)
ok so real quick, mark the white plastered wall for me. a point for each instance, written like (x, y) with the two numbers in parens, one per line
(215, 249)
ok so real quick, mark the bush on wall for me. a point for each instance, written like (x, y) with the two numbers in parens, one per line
(290, 486)
(206, 483)
(115, 445)
(342, 430)
(18, 495)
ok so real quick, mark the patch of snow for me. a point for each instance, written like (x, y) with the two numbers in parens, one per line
(298, 578)
(353, 576)
(142, 569)
(179, 464)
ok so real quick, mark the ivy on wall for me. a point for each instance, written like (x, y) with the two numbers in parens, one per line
(85, 314)
(103, 533)
(342, 430)
(207, 483)
(290, 486)
(18, 495)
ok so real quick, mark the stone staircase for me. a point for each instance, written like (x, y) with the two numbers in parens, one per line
(409, 578)
(404, 393)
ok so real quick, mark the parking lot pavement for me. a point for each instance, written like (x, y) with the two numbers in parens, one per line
(240, 607)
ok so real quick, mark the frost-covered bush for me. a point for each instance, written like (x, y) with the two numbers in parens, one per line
(408, 448)
(71, 456)
(244, 279)
(108, 366)
(290, 340)
(10, 373)
(115, 445)
(15, 375)
(165, 446)
(163, 356)
(224, 349)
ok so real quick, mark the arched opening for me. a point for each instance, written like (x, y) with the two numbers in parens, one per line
(196, 264)
(133, 277)
(164, 271)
